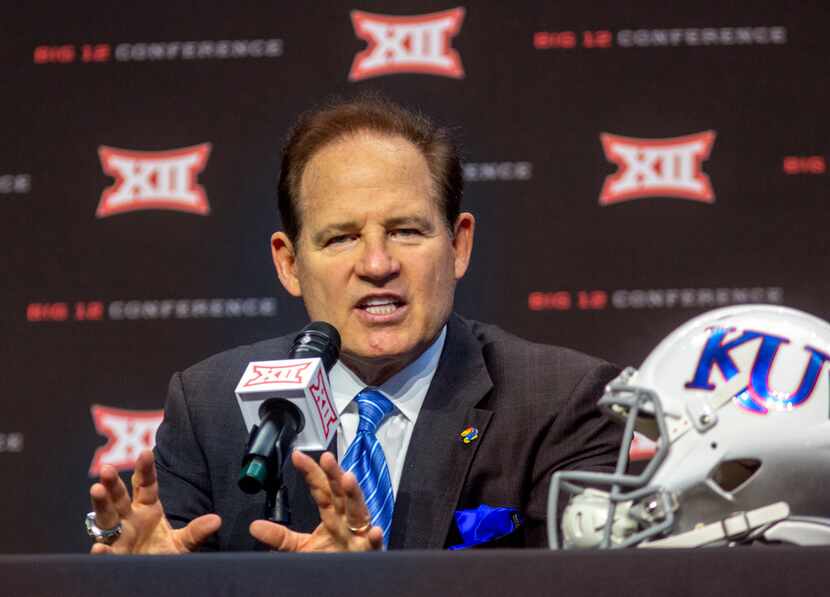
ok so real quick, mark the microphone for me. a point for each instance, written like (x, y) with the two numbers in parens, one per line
(287, 403)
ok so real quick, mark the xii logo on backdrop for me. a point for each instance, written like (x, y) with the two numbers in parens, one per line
(413, 44)
(671, 167)
(128, 432)
(153, 180)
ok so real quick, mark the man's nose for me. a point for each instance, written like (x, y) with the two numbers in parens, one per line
(376, 262)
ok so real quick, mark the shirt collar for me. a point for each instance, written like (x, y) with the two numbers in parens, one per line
(406, 389)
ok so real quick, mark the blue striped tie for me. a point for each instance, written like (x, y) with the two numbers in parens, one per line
(365, 459)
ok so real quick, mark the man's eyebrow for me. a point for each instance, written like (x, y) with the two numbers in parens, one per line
(409, 221)
(334, 230)
(324, 234)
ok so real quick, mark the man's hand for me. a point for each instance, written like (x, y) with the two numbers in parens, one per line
(145, 530)
(341, 505)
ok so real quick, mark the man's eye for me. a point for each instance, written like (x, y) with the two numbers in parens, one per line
(339, 239)
(406, 232)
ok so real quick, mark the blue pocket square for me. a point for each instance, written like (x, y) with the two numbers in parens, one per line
(485, 523)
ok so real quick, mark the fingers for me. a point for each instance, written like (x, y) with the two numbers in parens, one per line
(326, 485)
(315, 478)
(145, 530)
(105, 515)
(198, 531)
(357, 514)
(275, 535)
(110, 499)
(375, 537)
(334, 475)
(334, 491)
(99, 549)
(145, 484)
(341, 504)
(116, 491)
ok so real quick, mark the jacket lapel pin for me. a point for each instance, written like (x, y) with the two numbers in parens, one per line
(469, 435)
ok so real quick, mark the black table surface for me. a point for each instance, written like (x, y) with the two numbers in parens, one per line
(716, 571)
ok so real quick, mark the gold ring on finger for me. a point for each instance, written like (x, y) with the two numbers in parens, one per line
(362, 529)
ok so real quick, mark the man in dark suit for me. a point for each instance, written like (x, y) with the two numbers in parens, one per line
(470, 422)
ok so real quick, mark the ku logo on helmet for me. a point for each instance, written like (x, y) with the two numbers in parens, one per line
(758, 396)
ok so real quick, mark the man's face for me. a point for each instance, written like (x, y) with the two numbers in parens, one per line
(374, 257)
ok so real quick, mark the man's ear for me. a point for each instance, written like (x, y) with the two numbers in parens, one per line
(462, 242)
(285, 262)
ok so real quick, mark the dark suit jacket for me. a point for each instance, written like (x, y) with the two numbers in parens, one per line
(534, 407)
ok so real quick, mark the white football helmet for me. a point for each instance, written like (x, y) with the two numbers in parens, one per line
(738, 403)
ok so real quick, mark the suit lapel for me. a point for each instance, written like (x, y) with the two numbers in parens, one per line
(437, 459)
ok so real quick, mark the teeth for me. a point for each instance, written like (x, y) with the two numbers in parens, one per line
(377, 301)
(380, 305)
(385, 309)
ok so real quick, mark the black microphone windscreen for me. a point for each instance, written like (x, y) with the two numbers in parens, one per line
(317, 339)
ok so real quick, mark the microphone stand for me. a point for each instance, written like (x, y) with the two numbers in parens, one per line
(269, 445)
(277, 507)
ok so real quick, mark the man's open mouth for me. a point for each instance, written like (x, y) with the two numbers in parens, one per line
(380, 305)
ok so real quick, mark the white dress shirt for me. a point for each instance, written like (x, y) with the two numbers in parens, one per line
(406, 389)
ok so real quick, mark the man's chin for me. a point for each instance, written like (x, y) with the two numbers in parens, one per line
(382, 351)
(367, 356)
(374, 367)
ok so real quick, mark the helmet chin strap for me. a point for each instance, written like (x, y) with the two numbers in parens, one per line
(733, 528)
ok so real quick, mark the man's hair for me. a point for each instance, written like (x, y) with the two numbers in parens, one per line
(341, 118)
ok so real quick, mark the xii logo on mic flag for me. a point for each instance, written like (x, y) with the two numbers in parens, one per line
(302, 382)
